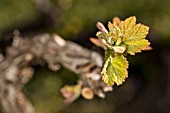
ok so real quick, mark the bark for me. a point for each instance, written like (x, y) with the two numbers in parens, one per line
(16, 67)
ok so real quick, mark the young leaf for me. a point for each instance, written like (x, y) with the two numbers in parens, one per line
(97, 42)
(136, 45)
(116, 21)
(127, 25)
(114, 69)
(133, 35)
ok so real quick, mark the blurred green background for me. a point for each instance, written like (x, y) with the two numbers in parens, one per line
(147, 90)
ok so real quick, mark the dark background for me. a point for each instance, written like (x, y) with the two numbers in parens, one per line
(147, 90)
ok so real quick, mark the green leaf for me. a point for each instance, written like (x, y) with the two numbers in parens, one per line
(127, 25)
(136, 45)
(133, 35)
(114, 69)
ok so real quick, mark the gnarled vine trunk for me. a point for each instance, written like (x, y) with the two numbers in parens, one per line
(16, 67)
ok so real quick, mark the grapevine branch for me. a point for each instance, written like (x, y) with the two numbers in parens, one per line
(16, 68)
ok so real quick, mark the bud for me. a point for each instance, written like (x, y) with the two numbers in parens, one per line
(101, 27)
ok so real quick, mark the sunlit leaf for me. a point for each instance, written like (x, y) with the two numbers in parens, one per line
(133, 35)
(114, 69)
(127, 25)
(136, 45)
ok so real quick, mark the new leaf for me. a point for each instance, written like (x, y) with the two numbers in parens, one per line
(133, 35)
(114, 69)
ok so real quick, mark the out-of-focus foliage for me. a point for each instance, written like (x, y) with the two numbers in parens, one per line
(44, 89)
(16, 14)
(84, 14)
(73, 17)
